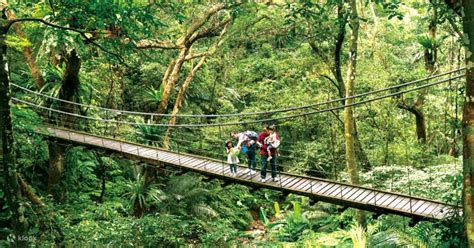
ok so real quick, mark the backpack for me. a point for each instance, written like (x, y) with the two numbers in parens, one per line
(251, 134)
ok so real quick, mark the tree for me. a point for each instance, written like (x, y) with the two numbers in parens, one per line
(468, 122)
(349, 131)
(12, 187)
(186, 84)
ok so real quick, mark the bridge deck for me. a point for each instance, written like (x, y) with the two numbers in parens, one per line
(320, 189)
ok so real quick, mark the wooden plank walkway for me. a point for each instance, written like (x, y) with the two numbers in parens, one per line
(320, 189)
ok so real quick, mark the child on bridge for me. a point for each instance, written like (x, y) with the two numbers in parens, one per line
(232, 157)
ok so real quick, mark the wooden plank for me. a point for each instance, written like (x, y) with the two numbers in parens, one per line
(307, 186)
(220, 167)
(347, 192)
(298, 179)
(191, 161)
(430, 209)
(166, 156)
(335, 191)
(357, 193)
(397, 201)
(387, 200)
(383, 199)
(354, 194)
(187, 161)
(417, 205)
(319, 186)
(423, 208)
(146, 153)
(283, 179)
(437, 212)
(245, 174)
(201, 165)
(326, 189)
(210, 166)
(405, 202)
(288, 182)
(300, 184)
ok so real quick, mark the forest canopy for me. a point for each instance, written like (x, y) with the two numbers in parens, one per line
(363, 94)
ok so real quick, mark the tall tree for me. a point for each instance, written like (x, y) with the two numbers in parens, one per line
(28, 53)
(187, 82)
(12, 187)
(349, 131)
(335, 66)
(430, 54)
(468, 122)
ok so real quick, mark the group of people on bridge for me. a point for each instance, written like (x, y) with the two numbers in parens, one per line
(268, 141)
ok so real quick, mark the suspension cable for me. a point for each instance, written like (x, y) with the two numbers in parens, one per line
(246, 122)
(242, 114)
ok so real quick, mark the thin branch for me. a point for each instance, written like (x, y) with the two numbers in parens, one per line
(330, 79)
(81, 32)
(148, 44)
(455, 28)
(337, 117)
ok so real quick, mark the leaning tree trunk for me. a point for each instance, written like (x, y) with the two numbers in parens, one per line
(349, 131)
(57, 151)
(180, 98)
(468, 123)
(27, 53)
(171, 80)
(11, 188)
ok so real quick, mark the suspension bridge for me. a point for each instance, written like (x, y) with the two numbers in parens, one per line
(113, 130)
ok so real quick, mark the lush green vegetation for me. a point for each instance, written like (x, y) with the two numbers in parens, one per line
(237, 57)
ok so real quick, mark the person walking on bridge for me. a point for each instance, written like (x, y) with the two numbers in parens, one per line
(267, 155)
(246, 144)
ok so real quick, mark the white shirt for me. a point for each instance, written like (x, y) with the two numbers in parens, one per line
(232, 159)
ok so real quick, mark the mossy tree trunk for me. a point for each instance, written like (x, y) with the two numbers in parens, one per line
(349, 131)
(468, 123)
(11, 188)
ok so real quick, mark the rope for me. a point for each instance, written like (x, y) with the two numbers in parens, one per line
(242, 114)
(247, 122)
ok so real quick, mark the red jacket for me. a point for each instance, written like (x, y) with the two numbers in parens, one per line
(263, 149)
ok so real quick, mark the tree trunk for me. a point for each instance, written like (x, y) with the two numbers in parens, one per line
(70, 86)
(57, 164)
(27, 53)
(373, 38)
(341, 89)
(57, 152)
(11, 187)
(171, 80)
(349, 131)
(338, 49)
(180, 98)
(468, 123)
(417, 111)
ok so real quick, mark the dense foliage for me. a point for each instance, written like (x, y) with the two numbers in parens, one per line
(257, 56)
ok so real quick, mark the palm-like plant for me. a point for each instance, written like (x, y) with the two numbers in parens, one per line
(149, 134)
(186, 196)
(153, 95)
(142, 195)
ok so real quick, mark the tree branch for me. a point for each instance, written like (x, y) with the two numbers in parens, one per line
(331, 80)
(455, 28)
(81, 32)
(148, 44)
